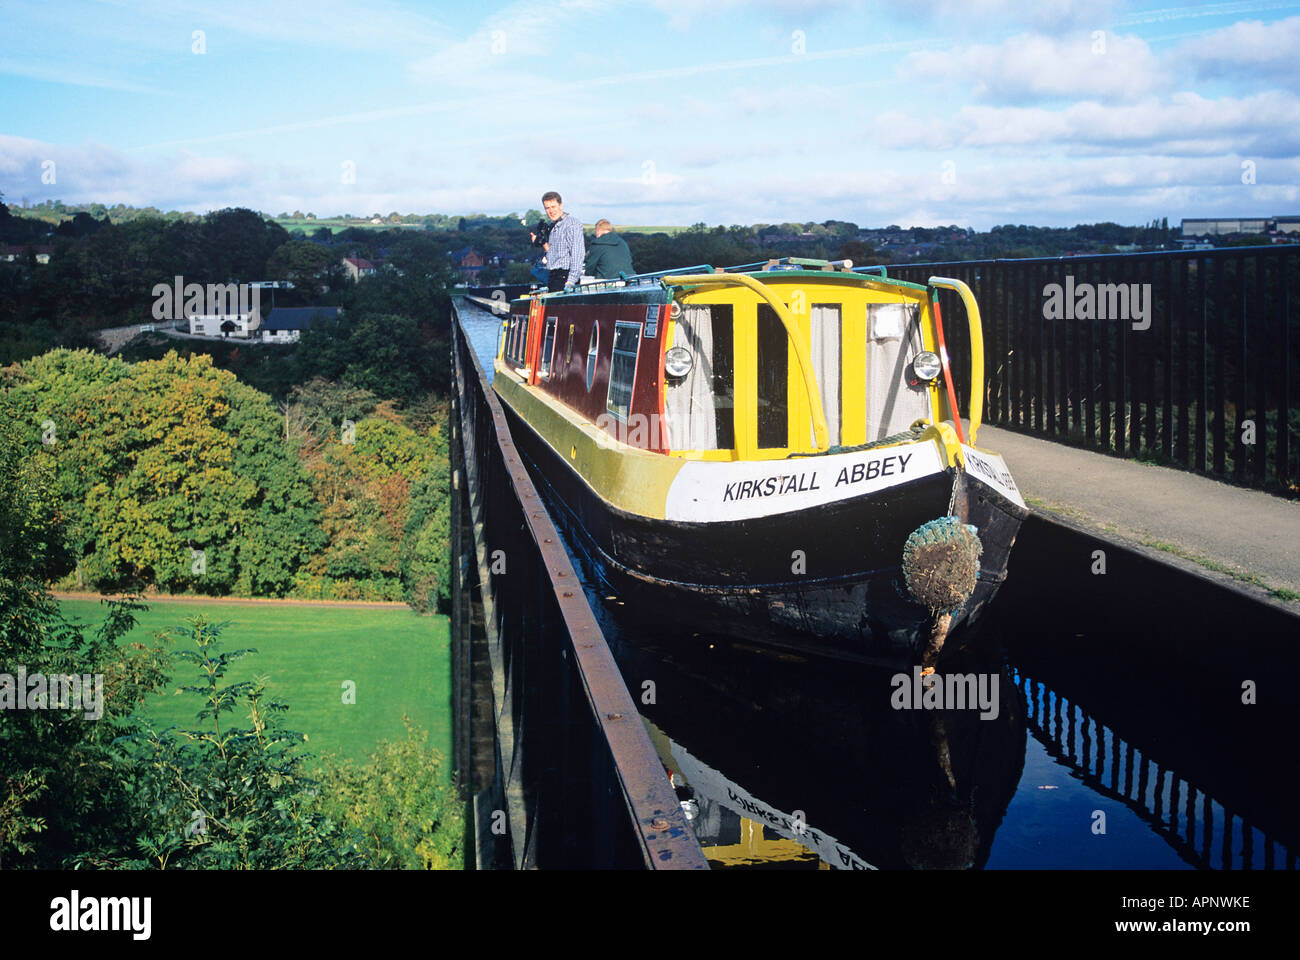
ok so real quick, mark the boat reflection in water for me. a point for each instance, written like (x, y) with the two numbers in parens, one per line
(785, 761)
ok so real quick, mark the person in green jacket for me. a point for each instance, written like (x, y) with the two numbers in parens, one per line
(608, 255)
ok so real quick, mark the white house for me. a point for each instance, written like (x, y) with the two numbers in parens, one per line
(243, 326)
(358, 267)
(285, 324)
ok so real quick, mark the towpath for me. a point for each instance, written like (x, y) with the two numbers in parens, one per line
(1251, 537)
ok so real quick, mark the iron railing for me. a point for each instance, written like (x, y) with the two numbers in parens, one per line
(547, 738)
(1202, 382)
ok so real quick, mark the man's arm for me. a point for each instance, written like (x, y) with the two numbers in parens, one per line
(577, 254)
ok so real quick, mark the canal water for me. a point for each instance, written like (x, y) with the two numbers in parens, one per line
(1131, 720)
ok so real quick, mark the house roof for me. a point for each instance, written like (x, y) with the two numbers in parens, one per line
(361, 263)
(296, 318)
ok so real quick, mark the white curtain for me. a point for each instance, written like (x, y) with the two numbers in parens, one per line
(826, 364)
(893, 340)
(689, 402)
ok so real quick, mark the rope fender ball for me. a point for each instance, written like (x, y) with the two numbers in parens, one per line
(941, 561)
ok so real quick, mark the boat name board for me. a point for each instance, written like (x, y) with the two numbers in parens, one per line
(712, 491)
(991, 469)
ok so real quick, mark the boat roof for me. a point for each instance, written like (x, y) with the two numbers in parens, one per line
(650, 288)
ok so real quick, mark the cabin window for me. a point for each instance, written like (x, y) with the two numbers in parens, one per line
(773, 380)
(826, 342)
(622, 369)
(548, 348)
(592, 348)
(893, 340)
(510, 338)
(517, 337)
(699, 407)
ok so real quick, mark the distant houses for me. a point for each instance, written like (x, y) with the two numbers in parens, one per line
(17, 253)
(358, 267)
(772, 238)
(280, 325)
(286, 324)
(469, 262)
(1281, 229)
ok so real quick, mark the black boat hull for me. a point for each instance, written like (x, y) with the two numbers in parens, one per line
(825, 581)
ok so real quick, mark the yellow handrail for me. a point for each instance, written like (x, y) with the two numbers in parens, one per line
(820, 432)
(976, 350)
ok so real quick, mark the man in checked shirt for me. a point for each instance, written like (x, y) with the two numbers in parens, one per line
(565, 250)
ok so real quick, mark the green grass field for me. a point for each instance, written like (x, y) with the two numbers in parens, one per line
(399, 661)
(309, 225)
(628, 228)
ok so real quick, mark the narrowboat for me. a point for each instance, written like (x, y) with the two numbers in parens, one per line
(771, 452)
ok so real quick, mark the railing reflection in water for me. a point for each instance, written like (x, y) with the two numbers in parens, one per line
(1198, 827)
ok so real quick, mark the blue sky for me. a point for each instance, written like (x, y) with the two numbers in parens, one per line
(975, 112)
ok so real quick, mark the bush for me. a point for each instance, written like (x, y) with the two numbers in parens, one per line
(403, 802)
(227, 797)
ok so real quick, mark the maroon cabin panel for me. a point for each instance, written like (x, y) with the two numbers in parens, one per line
(568, 380)
(647, 392)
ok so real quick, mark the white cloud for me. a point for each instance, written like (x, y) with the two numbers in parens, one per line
(1260, 51)
(1186, 123)
(1034, 66)
(1053, 184)
(1042, 130)
(1041, 15)
(212, 172)
(96, 173)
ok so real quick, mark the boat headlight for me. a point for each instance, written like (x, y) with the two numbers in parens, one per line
(926, 366)
(678, 362)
